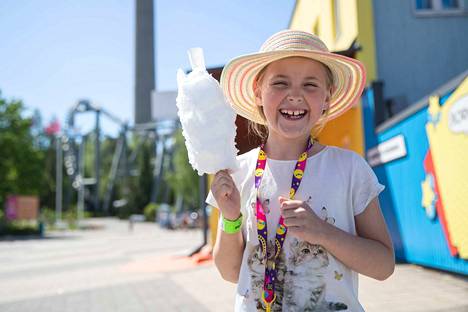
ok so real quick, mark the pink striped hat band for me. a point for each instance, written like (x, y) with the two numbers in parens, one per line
(237, 78)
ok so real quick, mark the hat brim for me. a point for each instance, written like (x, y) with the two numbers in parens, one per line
(237, 78)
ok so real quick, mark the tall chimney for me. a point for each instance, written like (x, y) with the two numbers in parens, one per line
(144, 60)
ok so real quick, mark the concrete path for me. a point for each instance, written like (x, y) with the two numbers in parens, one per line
(113, 269)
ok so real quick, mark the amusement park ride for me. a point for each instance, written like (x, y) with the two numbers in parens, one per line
(70, 155)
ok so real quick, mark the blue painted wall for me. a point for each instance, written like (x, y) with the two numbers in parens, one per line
(417, 239)
(415, 55)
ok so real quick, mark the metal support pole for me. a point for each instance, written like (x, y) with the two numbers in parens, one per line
(114, 170)
(170, 160)
(58, 179)
(158, 168)
(97, 159)
(81, 189)
(126, 188)
(202, 194)
(202, 188)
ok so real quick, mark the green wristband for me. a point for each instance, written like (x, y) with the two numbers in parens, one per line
(232, 226)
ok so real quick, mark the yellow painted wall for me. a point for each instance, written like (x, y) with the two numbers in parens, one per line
(366, 38)
(448, 146)
(334, 21)
(345, 131)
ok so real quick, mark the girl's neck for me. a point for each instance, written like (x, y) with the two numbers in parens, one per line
(285, 149)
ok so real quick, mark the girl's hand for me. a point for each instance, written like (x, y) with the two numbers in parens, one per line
(226, 194)
(301, 220)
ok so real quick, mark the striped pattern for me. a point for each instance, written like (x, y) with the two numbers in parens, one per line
(290, 40)
(239, 74)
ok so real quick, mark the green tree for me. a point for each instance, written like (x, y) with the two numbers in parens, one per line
(141, 180)
(183, 179)
(21, 162)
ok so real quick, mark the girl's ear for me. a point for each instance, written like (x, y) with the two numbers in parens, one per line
(258, 93)
(327, 100)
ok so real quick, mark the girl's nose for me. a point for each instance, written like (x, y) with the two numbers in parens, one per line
(295, 99)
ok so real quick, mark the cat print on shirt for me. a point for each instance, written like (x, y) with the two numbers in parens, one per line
(300, 282)
(305, 286)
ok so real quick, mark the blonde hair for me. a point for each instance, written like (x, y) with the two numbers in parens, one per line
(261, 131)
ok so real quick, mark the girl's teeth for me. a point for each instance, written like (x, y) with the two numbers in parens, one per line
(292, 113)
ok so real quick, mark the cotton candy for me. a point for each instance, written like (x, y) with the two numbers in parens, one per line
(208, 121)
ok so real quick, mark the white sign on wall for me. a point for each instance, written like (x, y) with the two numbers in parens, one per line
(164, 105)
(458, 116)
(387, 151)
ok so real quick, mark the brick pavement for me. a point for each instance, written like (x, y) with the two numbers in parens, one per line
(115, 270)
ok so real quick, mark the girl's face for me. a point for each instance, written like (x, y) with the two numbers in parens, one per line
(293, 93)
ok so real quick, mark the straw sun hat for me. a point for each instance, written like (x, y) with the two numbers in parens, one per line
(237, 78)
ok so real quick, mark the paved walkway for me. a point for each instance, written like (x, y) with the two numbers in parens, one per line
(112, 269)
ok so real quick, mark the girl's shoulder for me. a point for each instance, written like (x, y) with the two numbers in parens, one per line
(335, 153)
(350, 163)
(345, 161)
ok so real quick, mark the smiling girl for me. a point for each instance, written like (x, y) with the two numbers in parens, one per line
(299, 219)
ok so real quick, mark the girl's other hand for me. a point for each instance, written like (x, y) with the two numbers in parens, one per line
(226, 194)
(301, 220)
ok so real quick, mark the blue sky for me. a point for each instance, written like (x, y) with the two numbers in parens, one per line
(55, 52)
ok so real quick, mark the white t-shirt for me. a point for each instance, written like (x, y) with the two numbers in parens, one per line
(338, 185)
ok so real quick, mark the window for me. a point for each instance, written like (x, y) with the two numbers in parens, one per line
(450, 4)
(423, 4)
(439, 7)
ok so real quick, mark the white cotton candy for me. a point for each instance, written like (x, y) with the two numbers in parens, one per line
(208, 121)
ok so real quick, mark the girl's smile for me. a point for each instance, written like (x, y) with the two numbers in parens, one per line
(293, 114)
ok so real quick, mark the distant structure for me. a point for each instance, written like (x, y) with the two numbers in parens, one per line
(144, 60)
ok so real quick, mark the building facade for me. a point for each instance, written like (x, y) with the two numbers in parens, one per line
(420, 45)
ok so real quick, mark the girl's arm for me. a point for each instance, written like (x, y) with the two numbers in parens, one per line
(370, 253)
(228, 252)
(229, 248)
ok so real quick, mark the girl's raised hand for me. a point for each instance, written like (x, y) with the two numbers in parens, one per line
(226, 194)
(301, 220)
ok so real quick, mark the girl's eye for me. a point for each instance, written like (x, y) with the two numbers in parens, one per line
(310, 85)
(279, 83)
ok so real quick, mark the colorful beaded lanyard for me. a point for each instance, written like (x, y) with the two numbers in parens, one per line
(268, 294)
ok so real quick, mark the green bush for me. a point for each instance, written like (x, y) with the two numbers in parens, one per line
(150, 211)
(3, 222)
(19, 227)
(69, 216)
(47, 216)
